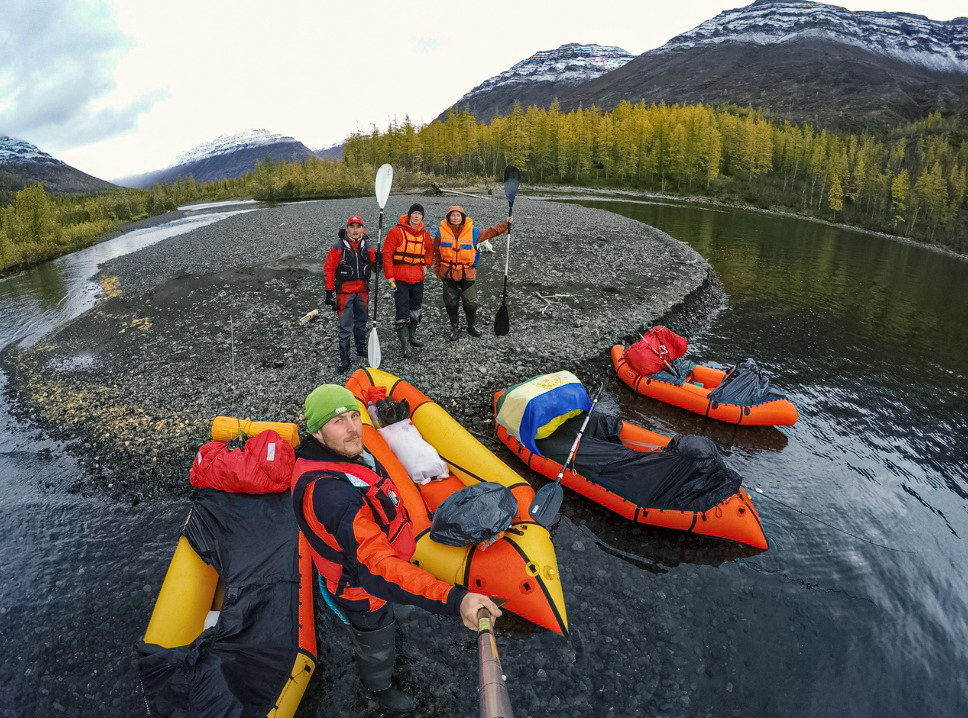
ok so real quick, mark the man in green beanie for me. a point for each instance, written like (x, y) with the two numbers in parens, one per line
(362, 540)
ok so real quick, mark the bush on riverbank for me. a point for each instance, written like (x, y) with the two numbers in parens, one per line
(36, 226)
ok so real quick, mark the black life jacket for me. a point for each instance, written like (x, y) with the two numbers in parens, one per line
(354, 266)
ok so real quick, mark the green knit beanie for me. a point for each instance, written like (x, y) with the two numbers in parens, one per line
(325, 402)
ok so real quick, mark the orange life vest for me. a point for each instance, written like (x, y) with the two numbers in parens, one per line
(457, 251)
(411, 249)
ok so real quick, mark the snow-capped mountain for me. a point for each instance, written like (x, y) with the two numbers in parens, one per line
(18, 152)
(225, 157)
(537, 79)
(224, 144)
(570, 64)
(22, 164)
(802, 61)
(914, 39)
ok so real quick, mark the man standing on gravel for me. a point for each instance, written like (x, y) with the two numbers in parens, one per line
(406, 251)
(455, 260)
(348, 267)
(361, 540)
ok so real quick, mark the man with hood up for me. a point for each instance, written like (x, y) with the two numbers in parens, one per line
(348, 267)
(406, 251)
(455, 262)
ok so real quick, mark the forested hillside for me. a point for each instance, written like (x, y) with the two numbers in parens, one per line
(910, 182)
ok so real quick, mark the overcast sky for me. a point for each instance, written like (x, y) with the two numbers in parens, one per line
(119, 87)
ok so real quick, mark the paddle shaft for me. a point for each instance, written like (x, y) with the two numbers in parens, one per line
(507, 255)
(547, 501)
(495, 702)
(502, 320)
(382, 184)
(574, 444)
(379, 249)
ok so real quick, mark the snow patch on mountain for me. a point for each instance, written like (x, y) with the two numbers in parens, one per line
(224, 144)
(914, 39)
(18, 152)
(570, 64)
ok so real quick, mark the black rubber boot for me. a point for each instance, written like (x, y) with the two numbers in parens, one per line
(471, 321)
(414, 323)
(403, 331)
(375, 653)
(344, 359)
(454, 327)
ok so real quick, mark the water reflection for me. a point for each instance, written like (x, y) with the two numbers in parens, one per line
(36, 301)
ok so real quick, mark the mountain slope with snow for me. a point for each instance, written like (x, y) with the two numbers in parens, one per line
(22, 164)
(912, 39)
(225, 157)
(801, 61)
(536, 80)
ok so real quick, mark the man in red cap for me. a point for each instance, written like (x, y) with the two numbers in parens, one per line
(455, 262)
(348, 267)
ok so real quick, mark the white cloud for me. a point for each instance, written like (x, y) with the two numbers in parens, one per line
(58, 60)
(119, 87)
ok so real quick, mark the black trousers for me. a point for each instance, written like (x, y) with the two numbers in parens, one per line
(407, 300)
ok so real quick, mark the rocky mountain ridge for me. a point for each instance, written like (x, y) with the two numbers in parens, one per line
(226, 157)
(914, 39)
(22, 164)
(18, 152)
(801, 61)
(541, 75)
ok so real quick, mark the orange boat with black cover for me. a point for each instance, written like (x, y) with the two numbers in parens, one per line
(694, 392)
(611, 468)
(521, 565)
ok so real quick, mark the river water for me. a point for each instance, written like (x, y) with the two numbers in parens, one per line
(869, 337)
(859, 607)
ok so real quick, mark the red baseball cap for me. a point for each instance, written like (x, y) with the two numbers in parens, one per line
(354, 220)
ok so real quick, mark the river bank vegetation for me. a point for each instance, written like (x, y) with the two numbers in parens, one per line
(912, 182)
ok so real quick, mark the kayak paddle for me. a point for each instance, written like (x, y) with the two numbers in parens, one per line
(495, 702)
(502, 322)
(384, 178)
(545, 504)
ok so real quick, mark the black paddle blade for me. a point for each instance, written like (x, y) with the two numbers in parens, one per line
(545, 504)
(512, 175)
(502, 322)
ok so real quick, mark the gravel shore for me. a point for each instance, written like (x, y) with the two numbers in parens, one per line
(207, 323)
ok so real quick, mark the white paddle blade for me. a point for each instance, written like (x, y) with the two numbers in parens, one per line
(373, 354)
(382, 184)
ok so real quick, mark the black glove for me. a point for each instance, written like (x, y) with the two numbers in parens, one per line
(331, 299)
(379, 261)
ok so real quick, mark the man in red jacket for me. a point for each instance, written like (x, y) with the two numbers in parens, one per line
(348, 267)
(407, 250)
(362, 540)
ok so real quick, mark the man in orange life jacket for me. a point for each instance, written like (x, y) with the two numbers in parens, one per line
(406, 251)
(362, 540)
(455, 260)
(348, 267)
